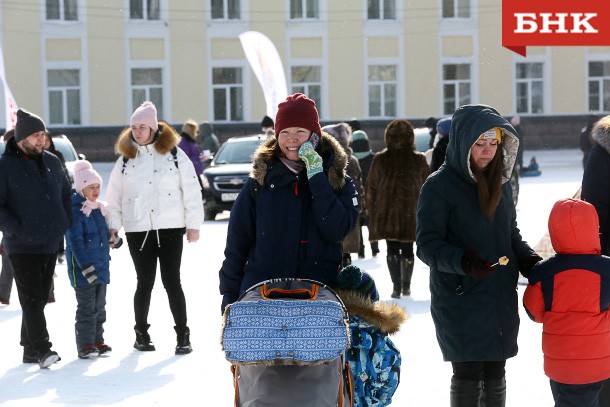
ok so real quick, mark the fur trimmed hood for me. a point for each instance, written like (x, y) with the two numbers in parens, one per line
(333, 156)
(385, 316)
(601, 133)
(165, 139)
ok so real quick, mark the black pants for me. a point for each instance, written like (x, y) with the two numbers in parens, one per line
(405, 250)
(145, 248)
(478, 370)
(33, 276)
(576, 395)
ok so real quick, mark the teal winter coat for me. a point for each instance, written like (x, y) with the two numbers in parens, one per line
(475, 320)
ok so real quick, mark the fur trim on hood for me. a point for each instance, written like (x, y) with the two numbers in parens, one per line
(601, 133)
(385, 316)
(165, 139)
(328, 147)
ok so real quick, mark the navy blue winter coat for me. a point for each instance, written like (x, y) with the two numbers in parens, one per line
(87, 244)
(35, 207)
(475, 320)
(291, 227)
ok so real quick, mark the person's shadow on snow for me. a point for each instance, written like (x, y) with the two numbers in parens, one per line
(73, 386)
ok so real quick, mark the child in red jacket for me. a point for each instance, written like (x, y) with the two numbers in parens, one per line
(569, 293)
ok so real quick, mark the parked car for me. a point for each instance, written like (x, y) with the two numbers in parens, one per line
(64, 146)
(227, 173)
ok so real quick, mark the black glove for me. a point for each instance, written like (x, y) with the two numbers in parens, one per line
(90, 273)
(526, 264)
(475, 266)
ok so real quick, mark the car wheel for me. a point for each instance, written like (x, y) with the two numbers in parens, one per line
(209, 214)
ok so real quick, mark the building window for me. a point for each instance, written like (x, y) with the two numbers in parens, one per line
(64, 96)
(382, 90)
(456, 8)
(226, 9)
(599, 86)
(227, 86)
(381, 10)
(62, 10)
(304, 9)
(144, 9)
(529, 88)
(147, 84)
(456, 86)
(308, 80)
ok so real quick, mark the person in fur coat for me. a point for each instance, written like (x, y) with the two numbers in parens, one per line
(154, 194)
(373, 358)
(392, 190)
(296, 208)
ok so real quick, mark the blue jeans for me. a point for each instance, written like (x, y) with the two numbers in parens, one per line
(90, 314)
(576, 395)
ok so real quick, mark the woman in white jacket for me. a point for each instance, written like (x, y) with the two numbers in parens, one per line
(154, 194)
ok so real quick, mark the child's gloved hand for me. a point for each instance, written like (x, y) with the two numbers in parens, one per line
(311, 158)
(90, 273)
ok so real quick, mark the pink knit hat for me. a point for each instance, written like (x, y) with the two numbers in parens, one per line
(85, 175)
(147, 114)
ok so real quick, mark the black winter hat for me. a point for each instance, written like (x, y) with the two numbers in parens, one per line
(267, 122)
(27, 124)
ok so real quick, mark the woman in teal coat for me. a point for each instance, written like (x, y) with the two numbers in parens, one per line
(466, 222)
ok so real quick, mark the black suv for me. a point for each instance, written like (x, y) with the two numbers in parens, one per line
(227, 173)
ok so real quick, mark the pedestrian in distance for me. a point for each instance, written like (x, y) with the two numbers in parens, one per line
(267, 126)
(154, 195)
(188, 144)
(467, 234)
(392, 191)
(35, 212)
(88, 257)
(440, 149)
(569, 293)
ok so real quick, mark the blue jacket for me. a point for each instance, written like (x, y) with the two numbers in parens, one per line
(35, 208)
(87, 243)
(292, 226)
(475, 320)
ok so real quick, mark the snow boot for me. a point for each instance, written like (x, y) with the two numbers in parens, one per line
(143, 342)
(346, 260)
(494, 393)
(465, 393)
(88, 352)
(394, 268)
(406, 272)
(48, 359)
(183, 342)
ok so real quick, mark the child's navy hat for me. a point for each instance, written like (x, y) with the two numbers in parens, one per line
(353, 278)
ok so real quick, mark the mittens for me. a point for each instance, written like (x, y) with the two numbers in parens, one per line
(90, 273)
(526, 264)
(475, 266)
(311, 158)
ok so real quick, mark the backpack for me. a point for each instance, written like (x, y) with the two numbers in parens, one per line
(286, 340)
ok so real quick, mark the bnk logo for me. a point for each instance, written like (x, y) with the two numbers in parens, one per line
(554, 23)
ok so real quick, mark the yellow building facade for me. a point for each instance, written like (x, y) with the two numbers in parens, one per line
(90, 63)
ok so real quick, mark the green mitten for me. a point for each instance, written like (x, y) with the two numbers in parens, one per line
(311, 158)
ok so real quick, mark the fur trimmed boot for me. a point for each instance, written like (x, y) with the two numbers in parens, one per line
(183, 341)
(406, 272)
(394, 268)
(143, 342)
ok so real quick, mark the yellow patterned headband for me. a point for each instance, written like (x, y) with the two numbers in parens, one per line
(492, 133)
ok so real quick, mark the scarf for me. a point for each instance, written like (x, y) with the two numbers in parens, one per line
(294, 166)
(89, 206)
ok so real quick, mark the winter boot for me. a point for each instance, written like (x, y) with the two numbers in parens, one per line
(183, 342)
(465, 393)
(143, 342)
(406, 272)
(394, 268)
(375, 248)
(347, 260)
(494, 393)
(88, 352)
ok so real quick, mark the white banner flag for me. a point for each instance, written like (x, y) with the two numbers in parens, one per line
(267, 66)
(10, 105)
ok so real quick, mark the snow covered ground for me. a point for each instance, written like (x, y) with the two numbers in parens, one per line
(130, 378)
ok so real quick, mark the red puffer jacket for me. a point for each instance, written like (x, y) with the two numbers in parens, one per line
(569, 293)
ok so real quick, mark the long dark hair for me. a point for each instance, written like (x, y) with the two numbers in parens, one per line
(489, 183)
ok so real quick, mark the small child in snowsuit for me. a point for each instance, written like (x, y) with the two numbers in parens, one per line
(374, 359)
(88, 258)
(569, 293)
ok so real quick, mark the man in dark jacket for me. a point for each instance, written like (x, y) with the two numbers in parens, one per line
(35, 211)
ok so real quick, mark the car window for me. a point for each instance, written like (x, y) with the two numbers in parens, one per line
(65, 150)
(236, 153)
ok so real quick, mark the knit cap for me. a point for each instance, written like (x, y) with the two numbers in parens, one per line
(297, 111)
(353, 278)
(267, 122)
(27, 124)
(360, 145)
(443, 126)
(341, 132)
(147, 114)
(85, 175)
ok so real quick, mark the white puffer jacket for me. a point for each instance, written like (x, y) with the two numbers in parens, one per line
(148, 192)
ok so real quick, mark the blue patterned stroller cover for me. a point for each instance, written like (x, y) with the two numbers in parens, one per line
(285, 322)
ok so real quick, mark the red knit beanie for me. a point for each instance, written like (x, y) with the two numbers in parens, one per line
(297, 111)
